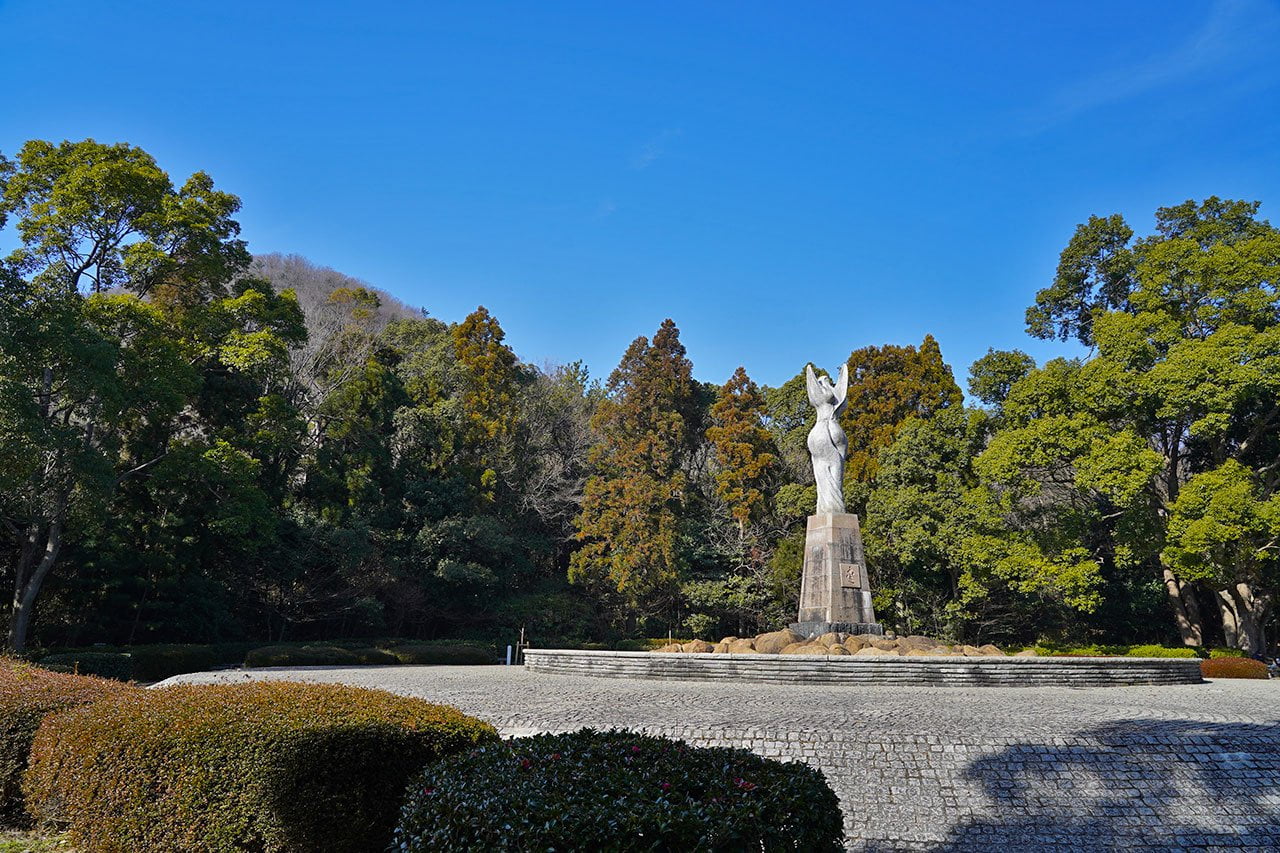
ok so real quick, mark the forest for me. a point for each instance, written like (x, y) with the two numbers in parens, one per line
(200, 445)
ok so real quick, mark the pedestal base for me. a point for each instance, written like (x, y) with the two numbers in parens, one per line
(811, 630)
(833, 582)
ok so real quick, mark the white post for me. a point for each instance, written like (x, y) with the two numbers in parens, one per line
(508, 655)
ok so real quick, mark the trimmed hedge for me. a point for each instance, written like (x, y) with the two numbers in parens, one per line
(27, 694)
(273, 766)
(1233, 668)
(617, 791)
(430, 654)
(1143, 651)
(102, 664)
(317, 655)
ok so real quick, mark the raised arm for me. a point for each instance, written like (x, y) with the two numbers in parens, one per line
(816, 397)
(842, 388)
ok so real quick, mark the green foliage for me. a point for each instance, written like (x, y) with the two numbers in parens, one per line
(1142, 651)
(271, 766)
(116, 665)
(27, 695)
(617, 791)
(316, 655)
(442, 655)
(631, 507)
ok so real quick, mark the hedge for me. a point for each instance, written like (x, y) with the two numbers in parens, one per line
(316, 655)
(432, 654)
(1233, 668)
(274, 766)
(115, 665)
(617, 791)
(27, 694)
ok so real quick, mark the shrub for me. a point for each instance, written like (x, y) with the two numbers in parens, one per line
(115, 665)
(274, 766)
(617, 791)
(1225, 653)
(426, 653)
(156, 663)
(27, 694)
(1152, 651)
(316, 656)
(1233, 668)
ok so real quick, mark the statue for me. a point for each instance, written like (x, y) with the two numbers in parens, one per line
(835, 594)
(827, 442)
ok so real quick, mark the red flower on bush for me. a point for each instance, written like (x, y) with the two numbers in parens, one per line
(555, 756)
(635, 749)
(525, 764)
(666, 786)
(744, 784)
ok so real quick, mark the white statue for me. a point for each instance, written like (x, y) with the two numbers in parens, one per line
(827, 442)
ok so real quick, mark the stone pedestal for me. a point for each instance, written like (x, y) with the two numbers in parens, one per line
(834, 592)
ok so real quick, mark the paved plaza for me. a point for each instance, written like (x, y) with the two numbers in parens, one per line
(1156, 768)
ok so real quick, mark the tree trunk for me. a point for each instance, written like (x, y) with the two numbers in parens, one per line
(1244, 617)
(25, 589)
(1186, 610)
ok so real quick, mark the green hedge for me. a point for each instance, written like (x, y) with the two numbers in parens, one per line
(451, 655)
(115, 665)
(272, 766)
(316, 655)
(617, 791)
(1142, 651)
(27, 694)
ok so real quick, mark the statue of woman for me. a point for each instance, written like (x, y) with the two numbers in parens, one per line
(827, 442)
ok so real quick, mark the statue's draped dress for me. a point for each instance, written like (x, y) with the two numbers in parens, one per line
(828, 444)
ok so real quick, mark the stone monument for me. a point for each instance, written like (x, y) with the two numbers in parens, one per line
(834, 593)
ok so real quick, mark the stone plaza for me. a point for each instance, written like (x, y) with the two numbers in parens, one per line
(1183, 767)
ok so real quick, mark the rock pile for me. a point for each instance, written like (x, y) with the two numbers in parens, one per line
(788, 642)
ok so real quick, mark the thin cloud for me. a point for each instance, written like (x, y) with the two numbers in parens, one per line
(654, 148)
(1236, 35)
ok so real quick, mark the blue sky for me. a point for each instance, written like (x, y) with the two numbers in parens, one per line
(786, 181)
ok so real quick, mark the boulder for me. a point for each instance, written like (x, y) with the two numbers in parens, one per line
(884, 644)
(1026, 653)
(853, 644)
(989, 649)
(743, 647)
(829, 639)
(774, 642)
(697, 647)
(971, 651)
(727, 639)
(915, 641)
(870, 652)
(916, 653)
(838, 649)
(805, 648)
(672, 648)
(938, 651)
(721, 648)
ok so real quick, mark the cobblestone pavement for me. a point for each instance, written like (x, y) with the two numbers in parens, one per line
(1156, 768)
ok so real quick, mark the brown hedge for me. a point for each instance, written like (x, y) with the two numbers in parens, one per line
(27, 694)
(1233, 668)
(274, 766)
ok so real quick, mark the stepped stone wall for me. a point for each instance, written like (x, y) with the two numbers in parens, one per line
(816, 669)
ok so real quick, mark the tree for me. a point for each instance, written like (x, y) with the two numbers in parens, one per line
(888, 385)
(1186, 379)
(745, 462)
(101, 227)
(631, 509)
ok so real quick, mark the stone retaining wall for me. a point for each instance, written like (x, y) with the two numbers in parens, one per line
(888, 670)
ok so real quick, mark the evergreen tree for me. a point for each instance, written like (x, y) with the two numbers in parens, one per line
(632, 505)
